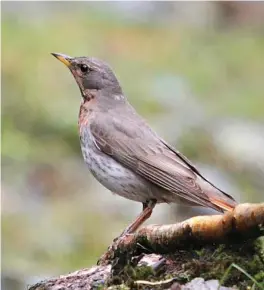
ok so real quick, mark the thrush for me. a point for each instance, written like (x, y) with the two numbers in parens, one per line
(125, 155)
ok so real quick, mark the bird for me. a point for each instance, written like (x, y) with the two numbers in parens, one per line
(125, 155)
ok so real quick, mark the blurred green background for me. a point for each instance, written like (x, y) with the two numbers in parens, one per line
(193, 70)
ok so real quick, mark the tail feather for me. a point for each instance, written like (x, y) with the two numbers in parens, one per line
(223, 204)
(218, 198)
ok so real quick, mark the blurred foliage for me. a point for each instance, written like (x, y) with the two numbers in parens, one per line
(38, 93)
(40, 102)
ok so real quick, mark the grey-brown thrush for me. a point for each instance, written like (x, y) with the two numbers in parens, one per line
(126, 155)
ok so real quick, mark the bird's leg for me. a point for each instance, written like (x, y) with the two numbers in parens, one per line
(144, 215)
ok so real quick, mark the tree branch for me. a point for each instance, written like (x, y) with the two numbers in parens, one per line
(245, 221)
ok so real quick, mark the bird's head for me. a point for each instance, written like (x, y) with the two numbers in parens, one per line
(91, 75)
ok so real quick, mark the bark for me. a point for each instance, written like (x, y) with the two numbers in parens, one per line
(168, 256)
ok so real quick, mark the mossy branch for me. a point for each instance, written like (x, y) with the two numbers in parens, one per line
(244, 220)
(196, 237)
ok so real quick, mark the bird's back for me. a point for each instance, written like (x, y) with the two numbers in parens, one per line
(125, 137)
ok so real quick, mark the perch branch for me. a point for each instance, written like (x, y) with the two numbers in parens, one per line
(245, 220)
(242, 221)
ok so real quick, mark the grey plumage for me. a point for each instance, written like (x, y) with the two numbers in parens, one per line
(125, 154)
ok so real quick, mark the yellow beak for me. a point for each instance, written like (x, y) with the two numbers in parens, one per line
(63, 58)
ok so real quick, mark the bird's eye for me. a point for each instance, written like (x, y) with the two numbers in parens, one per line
(84, 68)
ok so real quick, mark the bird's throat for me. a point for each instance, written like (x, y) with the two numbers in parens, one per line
(88, 95)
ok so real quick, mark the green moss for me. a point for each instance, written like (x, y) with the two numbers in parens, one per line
(129, 274)
(114, 287)
(143, 272)
(208, 262)
(260, 276)
(259, 247)
(211, 262)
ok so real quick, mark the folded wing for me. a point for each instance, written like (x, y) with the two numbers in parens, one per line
(137, 147)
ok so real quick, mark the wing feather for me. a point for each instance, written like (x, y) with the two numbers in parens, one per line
(137, 147)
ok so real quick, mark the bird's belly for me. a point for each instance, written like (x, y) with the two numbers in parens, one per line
(115, 177)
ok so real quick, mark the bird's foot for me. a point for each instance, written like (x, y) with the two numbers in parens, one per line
(128, 232)
(109, 255)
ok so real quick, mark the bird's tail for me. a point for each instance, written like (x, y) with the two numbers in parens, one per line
(218, 198)
(224, 204)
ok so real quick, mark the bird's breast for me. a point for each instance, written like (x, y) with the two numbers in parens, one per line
(84, 115)
(110, 173)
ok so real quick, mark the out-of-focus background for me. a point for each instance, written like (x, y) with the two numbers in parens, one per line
(193, 70)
